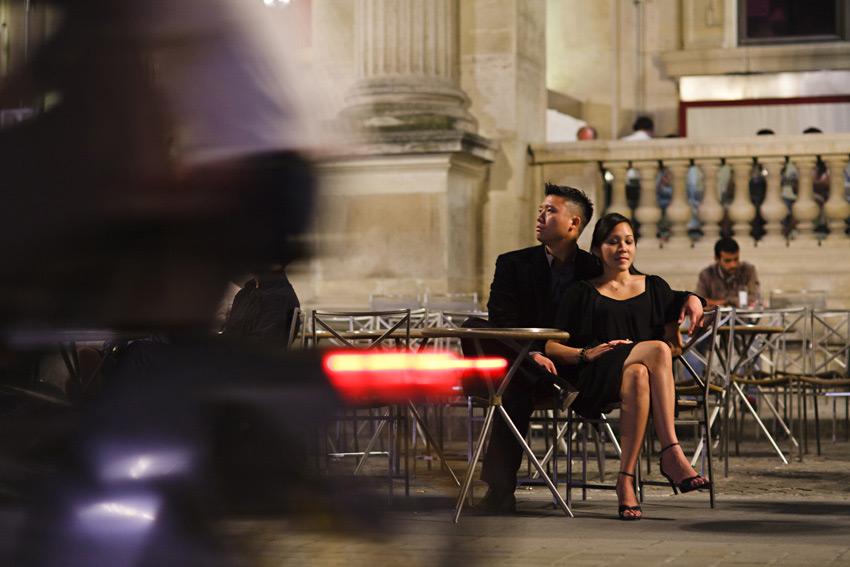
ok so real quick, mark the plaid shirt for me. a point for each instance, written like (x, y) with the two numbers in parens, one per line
(714, 283)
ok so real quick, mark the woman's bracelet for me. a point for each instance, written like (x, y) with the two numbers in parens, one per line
(582, 355)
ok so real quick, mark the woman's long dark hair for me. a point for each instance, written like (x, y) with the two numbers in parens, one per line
(603, 229)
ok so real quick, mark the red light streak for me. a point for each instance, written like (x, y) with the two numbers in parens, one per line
(391, 377)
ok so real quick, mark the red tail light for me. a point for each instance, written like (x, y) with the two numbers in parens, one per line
(389, 377)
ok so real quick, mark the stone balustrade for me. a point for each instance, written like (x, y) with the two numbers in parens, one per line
(683, 170)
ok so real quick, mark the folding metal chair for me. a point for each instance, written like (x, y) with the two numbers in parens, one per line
(699, 393)
(829, 374)
(393, 416)
(769, 349)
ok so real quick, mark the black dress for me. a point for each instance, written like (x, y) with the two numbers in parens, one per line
(592, 319)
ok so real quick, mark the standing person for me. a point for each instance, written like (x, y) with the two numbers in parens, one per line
(527, 288)
(643, 128)
(618, 322)
(729, 280)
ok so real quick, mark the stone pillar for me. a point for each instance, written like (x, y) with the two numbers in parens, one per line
(710, 210)
(805, 208)
(837, 208)
(678, 212)
(773, 209)
(406, 57)
(618, 202)
(400, 206)
(648, 213)
(741, 210)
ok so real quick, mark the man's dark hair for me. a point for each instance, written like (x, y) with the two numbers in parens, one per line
(643, 123)
(575, 196)
(765, 132)
(812, 130)
(728, 245)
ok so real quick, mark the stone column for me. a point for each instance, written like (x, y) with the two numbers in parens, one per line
(648, 213)
(773, 209)
(406, 57)
(678, 212)
(805, 208)
(837, 208)
(618, 202)
(710, 210)
(741, 210)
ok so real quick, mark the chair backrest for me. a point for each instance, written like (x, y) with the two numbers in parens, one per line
(451, 319)
(385, 302)
(829, 350)
(397, 329)
(297, 332)
(784, 351)
(813, 299)
(451, 301)
(704, 354)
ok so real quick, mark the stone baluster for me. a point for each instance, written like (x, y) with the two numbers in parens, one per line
(805, 208)
(710, 210)
(618, 202)
(837, 208)
(741, 210)
(773, 209)
(679, 212)
(648, 213)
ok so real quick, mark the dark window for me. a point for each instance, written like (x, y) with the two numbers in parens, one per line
(791, 21)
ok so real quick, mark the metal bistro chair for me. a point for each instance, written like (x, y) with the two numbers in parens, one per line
(700, 390)
(394, 416)
(770, 350)
(828, 375)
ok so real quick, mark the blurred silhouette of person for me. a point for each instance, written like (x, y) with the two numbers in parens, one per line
(174, 159)
(262, 311)
(175, 148)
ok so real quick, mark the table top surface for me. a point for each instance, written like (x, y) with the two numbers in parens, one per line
(524, 333)
(35, 337)
(763, 329)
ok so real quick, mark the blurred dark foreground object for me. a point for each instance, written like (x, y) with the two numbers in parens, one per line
(165, 166)
(190, 438)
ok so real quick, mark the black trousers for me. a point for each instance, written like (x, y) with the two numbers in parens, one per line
(504, 454)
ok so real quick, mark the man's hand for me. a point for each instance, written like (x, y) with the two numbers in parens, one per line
(693, 310)
(544, 362)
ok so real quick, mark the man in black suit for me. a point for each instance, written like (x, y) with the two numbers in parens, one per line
(527, 288)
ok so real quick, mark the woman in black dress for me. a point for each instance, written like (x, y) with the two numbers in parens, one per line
(617, 353)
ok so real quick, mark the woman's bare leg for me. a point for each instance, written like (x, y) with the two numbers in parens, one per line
(634, 413)
(656, 357)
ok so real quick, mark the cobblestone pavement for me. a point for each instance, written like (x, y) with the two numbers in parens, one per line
(767, 513)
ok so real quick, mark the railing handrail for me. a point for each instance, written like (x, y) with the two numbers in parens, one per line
(690, 148)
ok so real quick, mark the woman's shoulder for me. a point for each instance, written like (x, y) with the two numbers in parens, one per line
(656, 281)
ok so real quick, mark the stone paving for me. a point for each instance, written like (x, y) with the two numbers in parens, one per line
(767, 513)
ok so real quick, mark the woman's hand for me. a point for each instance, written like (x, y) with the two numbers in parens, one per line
(593, 353)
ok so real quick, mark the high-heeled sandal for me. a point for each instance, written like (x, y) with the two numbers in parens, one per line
(623, 508)
(686, 484)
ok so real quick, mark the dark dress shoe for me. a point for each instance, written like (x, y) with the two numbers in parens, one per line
(497, 502)
(566, 396)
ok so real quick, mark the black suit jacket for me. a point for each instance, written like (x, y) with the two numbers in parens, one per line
(520, 292)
